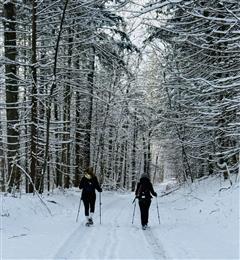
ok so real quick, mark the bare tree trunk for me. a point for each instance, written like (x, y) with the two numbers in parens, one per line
(145, 156)
(33, 147)
(155, 169)
(53, 87)
(90, 80)
(110, 154)
(77, 143)
(121, 176)
(149, 155)
(134, 156)
(11, 82)
(67, 107)
(59, 175)
(125, 169)
(2, 174)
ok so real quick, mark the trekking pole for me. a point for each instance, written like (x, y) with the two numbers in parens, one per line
(100, 206)
(134, 201)
(79, 207)
(158, 211)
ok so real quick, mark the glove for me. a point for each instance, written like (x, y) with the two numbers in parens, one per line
(100, 190)
(155, 194)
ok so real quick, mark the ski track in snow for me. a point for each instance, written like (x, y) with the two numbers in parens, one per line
(111, 238)
(72, 249)
(157, 248)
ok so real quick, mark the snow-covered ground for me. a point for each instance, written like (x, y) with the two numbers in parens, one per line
(200, 221)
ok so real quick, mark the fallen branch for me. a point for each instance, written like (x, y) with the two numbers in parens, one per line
(214, 211)
(169, 192)
(197, 198)
(34, 188)
(225, 188)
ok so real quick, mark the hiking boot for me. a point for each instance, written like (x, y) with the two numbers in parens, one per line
(90, 221)
(144, 227)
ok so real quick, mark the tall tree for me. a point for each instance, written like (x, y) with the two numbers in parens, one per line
(33, 148)
(11, 87)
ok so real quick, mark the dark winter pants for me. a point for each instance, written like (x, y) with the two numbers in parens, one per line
(89, 202)
(144, 205)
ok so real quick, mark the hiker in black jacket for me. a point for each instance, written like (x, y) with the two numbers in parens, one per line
(143, 194)
(88, 184)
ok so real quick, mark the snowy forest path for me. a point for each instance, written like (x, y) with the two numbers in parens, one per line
(115, 238)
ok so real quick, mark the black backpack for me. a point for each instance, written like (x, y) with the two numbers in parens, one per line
(143, 191)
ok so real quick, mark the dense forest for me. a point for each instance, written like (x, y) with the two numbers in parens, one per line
(124, 86)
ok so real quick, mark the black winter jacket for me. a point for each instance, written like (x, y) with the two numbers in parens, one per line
(88, 186)
(145, 189)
